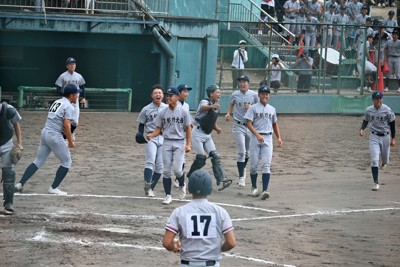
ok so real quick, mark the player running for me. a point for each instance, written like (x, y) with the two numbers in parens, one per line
(383, 132)
(262, 122)
(59, 118)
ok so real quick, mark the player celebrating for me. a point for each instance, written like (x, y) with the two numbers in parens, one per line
(200, 225)
(241, 101)
(9, 123)
(154, 147)
(175, 124)
(204, 124)
(262, 122)
(59, 118)
(72, 77)
(383, 132)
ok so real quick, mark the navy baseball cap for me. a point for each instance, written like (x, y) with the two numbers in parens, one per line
(243, 78)
(70, 60)
(212, 88)
(71, 89)
(183, 87)
(342, 7)
(364, 7)
(264, 89)
(308, 14)
(172, 91)
(332, 6)
(377, 94)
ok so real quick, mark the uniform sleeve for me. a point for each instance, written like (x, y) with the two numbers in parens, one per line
(249, 114)
(59, 81)
(391, 116)
(226, 222)
(172, 222)
(274, 116)
(157, 120)
(69, 113)
(142, 116)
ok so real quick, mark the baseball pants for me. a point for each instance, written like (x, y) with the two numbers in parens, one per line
(202, 142)
(379, 145)
(394, 66)
(154, 159)
(261, 152)
(5, 153)
(242, 137)
(173, 156)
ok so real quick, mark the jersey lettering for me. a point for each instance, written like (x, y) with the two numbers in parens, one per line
(201, 226)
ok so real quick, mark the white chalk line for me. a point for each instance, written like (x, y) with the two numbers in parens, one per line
(44, 237)
(137, 197)
(318, 213)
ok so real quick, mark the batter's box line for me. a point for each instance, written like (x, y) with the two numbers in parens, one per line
(45, 237)
(147, 198)
(318, 213)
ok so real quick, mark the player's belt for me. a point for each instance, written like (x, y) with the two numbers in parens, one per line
(379, 134)
(265, 133)
(241, 123)
(208, 263)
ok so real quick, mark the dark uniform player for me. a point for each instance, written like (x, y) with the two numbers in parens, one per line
(9, 123)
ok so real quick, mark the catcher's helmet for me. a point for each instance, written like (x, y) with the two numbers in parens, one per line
(200, 183)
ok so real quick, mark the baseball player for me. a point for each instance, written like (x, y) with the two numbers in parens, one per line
(383, 131)
(183, 95)
(59, 118)
(392, 56)
(205, 122)
(262, 122)
(175, 124)
(154, 165)
(9, 123)
(340, 32)
(241, 101)
(239, 58)
(199, 230)
(291, 8)
(72, 77)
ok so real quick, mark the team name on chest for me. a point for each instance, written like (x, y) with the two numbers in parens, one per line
(263, 115)
(177, 120)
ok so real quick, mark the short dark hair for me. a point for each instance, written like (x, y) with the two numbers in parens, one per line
(157, 86)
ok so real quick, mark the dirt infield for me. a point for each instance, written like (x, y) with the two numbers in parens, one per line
(321, 210)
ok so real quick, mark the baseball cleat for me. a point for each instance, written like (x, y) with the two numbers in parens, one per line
(167, 200)
(242, 182)
(57, 191)
(225, 184)
(264, 195)
(18, 187)
(8, 209)
(376, 187)
(151, 193)
(182, 192)
(176, 183)
(146, 189)
(383, 166)
(254, 192)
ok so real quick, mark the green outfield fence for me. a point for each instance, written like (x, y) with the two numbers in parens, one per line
(98, 99)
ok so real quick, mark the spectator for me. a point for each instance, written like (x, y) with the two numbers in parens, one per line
(380, 40)
(304, 63)
(329, 17)
(340, 31)
(370, 70)
(291, 8)
(390, 23)
(275, 68)
(392, 56)
(353, 10)
(268, 6)
(310, 32)
(239, 58)
(314, 8)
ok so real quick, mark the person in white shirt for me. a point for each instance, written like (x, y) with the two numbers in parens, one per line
(239, 58)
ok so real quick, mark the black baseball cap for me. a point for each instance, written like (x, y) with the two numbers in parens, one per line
(70, 60)
(264, 89)
(377, 94)
(364, 7)
(342, 7)
(243, 78)
(391, 12)
(71, 89)
(183, 87)
(172, 91)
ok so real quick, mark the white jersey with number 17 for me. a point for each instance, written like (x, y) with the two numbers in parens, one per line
(201, 226)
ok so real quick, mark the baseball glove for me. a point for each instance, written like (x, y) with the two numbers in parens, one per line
(140, 139)
(16, 154)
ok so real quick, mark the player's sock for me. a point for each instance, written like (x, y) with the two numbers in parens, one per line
(181, 180)
(29, 172)
(154, 180)
(375, 174)
(60, 175)
(253, 180)
(240, 166)
(167, 183)
(148, 173)
(265, 179)
(245, 162)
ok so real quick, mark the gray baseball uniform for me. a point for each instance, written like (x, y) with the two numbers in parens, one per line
(154, 147)
(201, 226)
(393, 57)
(240, 131)
(173, 124)
(74, 78)
(6, 132)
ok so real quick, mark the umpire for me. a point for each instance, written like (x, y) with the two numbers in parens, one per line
(9, 122)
